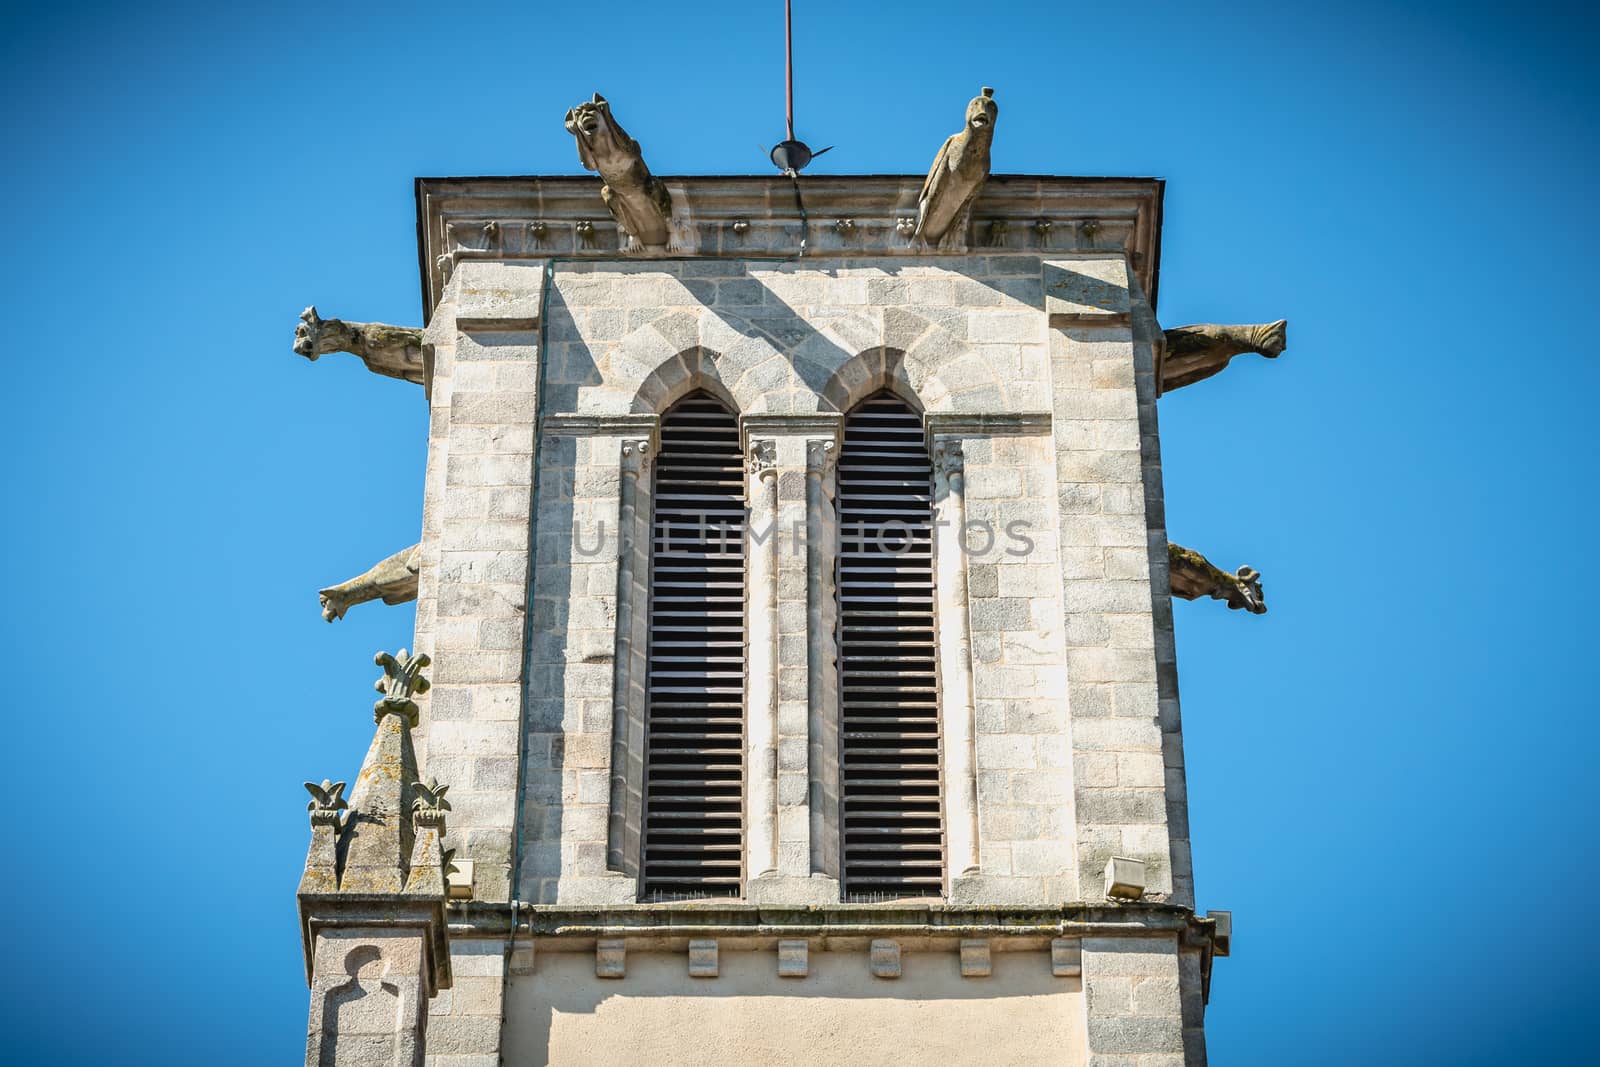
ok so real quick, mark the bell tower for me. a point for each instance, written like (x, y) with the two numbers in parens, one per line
(794, 573)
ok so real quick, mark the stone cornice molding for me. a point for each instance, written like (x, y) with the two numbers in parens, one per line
(644, 427)
(958, 423)
(540, 218)
(811, 424)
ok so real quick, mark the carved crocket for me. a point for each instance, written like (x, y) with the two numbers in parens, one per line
(958, 174)
(1194, 353)
(1194, 576)
(638, 200)
(393, 580)
(393, 351)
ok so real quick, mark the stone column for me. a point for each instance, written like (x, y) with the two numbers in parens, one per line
(955, 661)
(761, 662)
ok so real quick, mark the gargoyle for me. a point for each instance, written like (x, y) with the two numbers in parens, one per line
(1194, 353)
(1194, 576)
(393, 351)
(394, 581)
(638, 201)
(958, 174)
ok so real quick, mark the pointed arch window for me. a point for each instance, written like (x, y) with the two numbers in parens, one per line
(891, 805)
(693, 839)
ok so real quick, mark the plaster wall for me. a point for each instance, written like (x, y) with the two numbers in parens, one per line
(838, 1014)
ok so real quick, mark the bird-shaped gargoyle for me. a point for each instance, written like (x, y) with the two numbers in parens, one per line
(958, 174)
(638, 200)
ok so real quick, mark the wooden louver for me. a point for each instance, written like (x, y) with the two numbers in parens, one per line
(694, 772)
(893, 836)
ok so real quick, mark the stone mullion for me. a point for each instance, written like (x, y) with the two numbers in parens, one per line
(822, 654)
(954, 648)
(623, 832)
(761, 661)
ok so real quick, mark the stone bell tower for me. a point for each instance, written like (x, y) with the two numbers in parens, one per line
(795, 578)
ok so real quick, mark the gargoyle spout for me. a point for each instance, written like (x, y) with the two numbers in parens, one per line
(1194, 353)
(638, 200)
(959, 171)
(394, 581)
(1193, 576)
(393, 351)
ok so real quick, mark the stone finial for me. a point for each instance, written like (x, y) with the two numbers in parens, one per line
(402, 676)
(959, 171)
(327, 801)
(638, 201)
(429, 806)
(392, 580)
(393, 351)
(1193, 576)
(1194, 353)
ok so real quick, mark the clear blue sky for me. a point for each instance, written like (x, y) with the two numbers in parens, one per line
(1391, 774)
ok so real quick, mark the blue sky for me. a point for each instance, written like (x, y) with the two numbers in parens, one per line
(1391, 774)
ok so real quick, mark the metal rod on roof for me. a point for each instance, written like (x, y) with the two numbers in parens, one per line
(788, 65)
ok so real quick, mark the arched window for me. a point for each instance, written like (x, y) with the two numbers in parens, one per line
(893, 836)
(694, 722)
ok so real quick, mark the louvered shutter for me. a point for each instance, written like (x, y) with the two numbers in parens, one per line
(694, 770)
(889, 753)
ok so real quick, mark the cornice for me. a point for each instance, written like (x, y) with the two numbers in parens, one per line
(847, 217)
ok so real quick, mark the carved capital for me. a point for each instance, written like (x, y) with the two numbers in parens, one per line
(402, 677)
(429, 807)
(636, 457)
(948, 458)
(762, 459)
(821, 458)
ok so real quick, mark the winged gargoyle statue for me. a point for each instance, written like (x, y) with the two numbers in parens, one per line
(394, 581)
(1194, 576)
(958, 174)
(1194, 353)
(638, 200)
(393, 351)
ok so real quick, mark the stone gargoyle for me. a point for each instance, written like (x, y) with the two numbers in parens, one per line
(393, 351)
(1194, 353)
(638, 200)
(394, 581)
(1194, 576)
(957, 177)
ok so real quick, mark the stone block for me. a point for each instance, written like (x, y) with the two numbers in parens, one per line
(1125, 878)
(793, 959)
(1224, 935)
(703, 958)
(610, 958)
(1066, 957)
(885, 957)
(1088, 290)
(975, 958)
